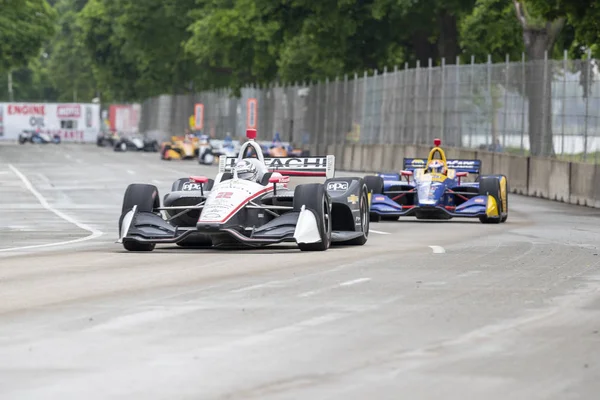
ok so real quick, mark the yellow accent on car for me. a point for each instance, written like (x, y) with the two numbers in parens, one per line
(442, 156)
(503, 194)
(492, 207)
(369, 195)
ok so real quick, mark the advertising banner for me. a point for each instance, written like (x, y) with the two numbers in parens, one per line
(73, 122)
(124, 118)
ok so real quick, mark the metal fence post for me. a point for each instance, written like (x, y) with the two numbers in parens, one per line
(354, 96)
(335, 111)
(364, 105)
(317, 116)
(326, 113)
(457, 118)
(416, 101)
(443, 100)
(524, 97)
(394, 107)
(382, 108)
(491, 97)
(587, 103)
(545, 151)
(471, 94)
(564, 102)
(429, 95)
(505, 105)
(372, 113)
(344, 124)
(404, 102)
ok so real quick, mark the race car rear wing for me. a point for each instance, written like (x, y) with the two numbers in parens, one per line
(291, 166)
(470, 166)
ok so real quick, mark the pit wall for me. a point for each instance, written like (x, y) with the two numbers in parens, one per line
(568, 182)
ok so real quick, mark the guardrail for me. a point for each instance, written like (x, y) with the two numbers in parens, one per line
(563, 181)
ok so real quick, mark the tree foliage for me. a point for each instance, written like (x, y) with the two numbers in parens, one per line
(24, 27)
(126, 50)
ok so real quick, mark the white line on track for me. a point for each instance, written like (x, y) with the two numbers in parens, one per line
(379, 232)
(68, 156)
(343, 284)
(354, 282)
(94, 233)
(130, 172)
(438, 249)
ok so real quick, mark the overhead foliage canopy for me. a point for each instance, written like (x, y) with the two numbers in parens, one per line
(124, 50)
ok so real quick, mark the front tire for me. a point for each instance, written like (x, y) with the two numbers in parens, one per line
(490, 186)
(145, 197)
(315, 198)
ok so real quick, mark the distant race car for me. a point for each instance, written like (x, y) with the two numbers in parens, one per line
(249, 204)
(32, 136)
(180, 148)
(136, 143)
(226, 147)
(437, 190)
(107, 139)
(206, 154)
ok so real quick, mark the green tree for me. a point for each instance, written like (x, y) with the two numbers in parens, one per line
(137, 46)
(499, 28)
(24, 26)
(69, 64)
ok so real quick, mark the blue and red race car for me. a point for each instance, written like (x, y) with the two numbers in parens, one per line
(437, 188)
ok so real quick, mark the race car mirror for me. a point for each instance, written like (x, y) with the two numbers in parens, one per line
(408, 174)
(461, 174)
(201, 180)
(278, 179)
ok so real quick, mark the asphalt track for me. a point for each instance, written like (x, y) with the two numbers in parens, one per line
(453, 310)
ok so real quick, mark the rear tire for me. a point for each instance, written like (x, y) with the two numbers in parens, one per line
(315, 198)
(145, 197)
(490, 186)
(364, 219)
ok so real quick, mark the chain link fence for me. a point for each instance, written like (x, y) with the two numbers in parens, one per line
(542, 108)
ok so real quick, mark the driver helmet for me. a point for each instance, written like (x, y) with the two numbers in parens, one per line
(246, 170)
(436, 166)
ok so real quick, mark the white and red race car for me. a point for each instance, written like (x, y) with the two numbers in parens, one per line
(231, 211)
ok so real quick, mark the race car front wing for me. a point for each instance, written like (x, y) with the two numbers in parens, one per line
(482, 205)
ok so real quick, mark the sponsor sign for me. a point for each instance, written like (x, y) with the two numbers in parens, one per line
(353, 199)
(73, 122)
(190, 186)
(337, 186)
(124, 117)
(289, 163)
(68, 111)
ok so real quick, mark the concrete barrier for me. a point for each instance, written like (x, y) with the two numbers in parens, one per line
(399, 152)
(389, 155)
(487, 161)
(374, 160)
(518, 174)
(583, 179)
(539, 177)
(560, 181)
(346, 160)
(357, 154)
